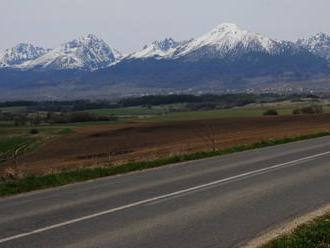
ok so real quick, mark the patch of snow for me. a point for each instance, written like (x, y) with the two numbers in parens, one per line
(158, 49)
(318, 44)
(228, 37)
(18, 55)
(87, 52)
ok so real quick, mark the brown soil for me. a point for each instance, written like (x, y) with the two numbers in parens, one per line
(108, 145)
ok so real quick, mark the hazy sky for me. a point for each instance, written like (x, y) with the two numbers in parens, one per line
(129, 24)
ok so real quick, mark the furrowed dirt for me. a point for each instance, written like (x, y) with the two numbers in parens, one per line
(110, 145)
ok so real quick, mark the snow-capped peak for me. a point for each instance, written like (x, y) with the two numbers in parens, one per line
(166, 44)
(158, 49)
(228, 38)
(318, 44)
(20, 54)
(88, 52)
(89, 40)
(315, 41)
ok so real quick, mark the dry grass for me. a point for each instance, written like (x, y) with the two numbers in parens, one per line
(12, 173)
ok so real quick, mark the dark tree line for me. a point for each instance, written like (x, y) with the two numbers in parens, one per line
(35, 119)
(226, 100)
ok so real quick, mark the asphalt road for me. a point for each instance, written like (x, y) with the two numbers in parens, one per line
(218, 202)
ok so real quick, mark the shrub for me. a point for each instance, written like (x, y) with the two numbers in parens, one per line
(34, 131)
(296, 111)
(201, 106)
(12, 173)
(314, 109)
(271, 112)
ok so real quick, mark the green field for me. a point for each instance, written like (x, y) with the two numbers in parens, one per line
(13, 109)
(15, 141)
(164, 113)
(175, 112)
(12, 143)
(11, 147)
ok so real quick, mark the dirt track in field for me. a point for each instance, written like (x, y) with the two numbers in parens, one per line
(96, 146)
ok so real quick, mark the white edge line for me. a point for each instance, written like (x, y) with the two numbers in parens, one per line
(138, 203)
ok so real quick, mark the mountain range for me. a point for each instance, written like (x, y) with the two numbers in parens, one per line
(226, 59)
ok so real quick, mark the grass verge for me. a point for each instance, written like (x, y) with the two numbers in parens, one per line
(315, 234)
(12, 187)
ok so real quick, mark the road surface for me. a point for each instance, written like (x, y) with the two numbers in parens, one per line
(218, 202)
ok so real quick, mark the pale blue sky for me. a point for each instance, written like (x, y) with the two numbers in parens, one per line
(129, 24)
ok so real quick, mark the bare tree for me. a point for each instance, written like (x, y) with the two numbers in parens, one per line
(208, 135)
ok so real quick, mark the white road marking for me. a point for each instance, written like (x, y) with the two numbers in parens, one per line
(146, 201)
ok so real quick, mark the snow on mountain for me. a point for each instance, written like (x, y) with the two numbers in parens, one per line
(158, 49)
(23, 52)
(227, 39)
(318, 44)
(88, 53)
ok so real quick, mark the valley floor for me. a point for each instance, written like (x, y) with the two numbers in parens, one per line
(108, 144)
